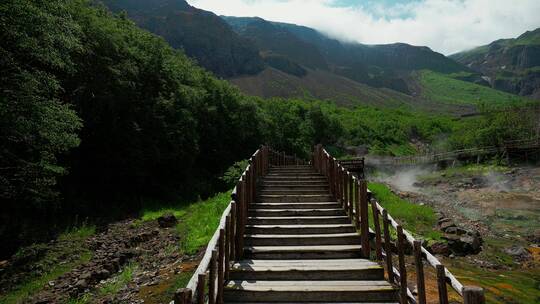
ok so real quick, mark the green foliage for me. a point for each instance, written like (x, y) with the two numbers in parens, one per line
(197, 220)
(445, 89)
(415, 218)
(233, 174)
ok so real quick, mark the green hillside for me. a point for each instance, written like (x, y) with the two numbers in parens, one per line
(443, 88)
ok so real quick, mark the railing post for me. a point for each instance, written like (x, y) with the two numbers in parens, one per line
(228, 231)
(402, 268)
(388, 247)
(232, 240)
(357, 206)
(182, 296)
(212, 278)
(420, 284)
(364, 220)
(377, 225)
(441, 283)
(345, 189)
(221, 265)
(473, 295)
(351, 196)
(200, 288)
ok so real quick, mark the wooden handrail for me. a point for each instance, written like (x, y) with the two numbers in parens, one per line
(226, 245)
(340, 187)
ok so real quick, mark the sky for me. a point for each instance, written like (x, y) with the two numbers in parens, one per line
(446, 26)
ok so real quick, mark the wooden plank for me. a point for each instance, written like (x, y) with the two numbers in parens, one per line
(402, 268)
(388, 247)
(221, 266)
(441, 284)
(200, 288)
(364, 223)
(212, 278)
(377, 225)
(420, 284)
(473, 295)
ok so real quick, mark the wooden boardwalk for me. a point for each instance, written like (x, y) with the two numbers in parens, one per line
(298, 232)
(300, 246)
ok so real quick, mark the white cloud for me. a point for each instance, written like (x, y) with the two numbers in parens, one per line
(446, 26)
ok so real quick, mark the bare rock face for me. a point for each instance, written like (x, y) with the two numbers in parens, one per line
(167, 220)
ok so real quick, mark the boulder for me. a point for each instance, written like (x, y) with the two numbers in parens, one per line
(519, 253)
(445, 225)
(439, 248)
(465, 244)
(167, 220)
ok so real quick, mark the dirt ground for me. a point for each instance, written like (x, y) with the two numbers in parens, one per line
(503, 205)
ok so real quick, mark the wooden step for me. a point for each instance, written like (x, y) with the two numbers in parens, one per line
(298, 220)
(303, 252)
(300, 229)
(292, 191)
(294, 182)
(291, 198)
(310, 291)
(337, 269)
(301, 239)
(292, 178)
(295, 212)
(305, 205)
(294, 187)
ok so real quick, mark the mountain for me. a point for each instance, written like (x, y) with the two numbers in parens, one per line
(201, 34)
(375, 65)
(511, 65)
(269, 59)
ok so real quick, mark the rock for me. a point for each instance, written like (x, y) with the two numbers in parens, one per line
(167, 220)
(81, 284)
(443, 220)
(446, 225)
(465, 244)
(519, 253)
(455, 230)
(440, 248)
(86, 276)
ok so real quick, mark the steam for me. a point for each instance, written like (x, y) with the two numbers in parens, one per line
(405, 179)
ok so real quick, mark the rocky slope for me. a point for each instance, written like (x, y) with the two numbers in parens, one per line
(201, 34)
(511, 65)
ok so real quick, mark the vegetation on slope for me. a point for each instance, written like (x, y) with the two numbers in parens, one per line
(445, 89)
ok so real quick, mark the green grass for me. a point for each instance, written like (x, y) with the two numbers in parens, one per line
(417, 219)
(445, 89)
(197, 220)
(70, 243)
(119, 280)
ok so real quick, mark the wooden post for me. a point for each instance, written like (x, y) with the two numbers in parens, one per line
(221, 265)
(364, 221)
(212, 278)
(233, 234)
(227, 245)
(473, 295)
(200, 288)
(420, 284)
(377, 225)
(351, 196)
(345, 190)
(441, 283)
(402, 269)
(357, 206)
(388, 247)
(182, 296)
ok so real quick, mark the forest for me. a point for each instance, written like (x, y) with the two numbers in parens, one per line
(99, 117)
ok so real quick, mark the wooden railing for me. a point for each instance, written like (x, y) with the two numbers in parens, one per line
(226, 245)
(355, 198)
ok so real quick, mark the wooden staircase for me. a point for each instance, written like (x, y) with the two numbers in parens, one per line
(300, 246)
